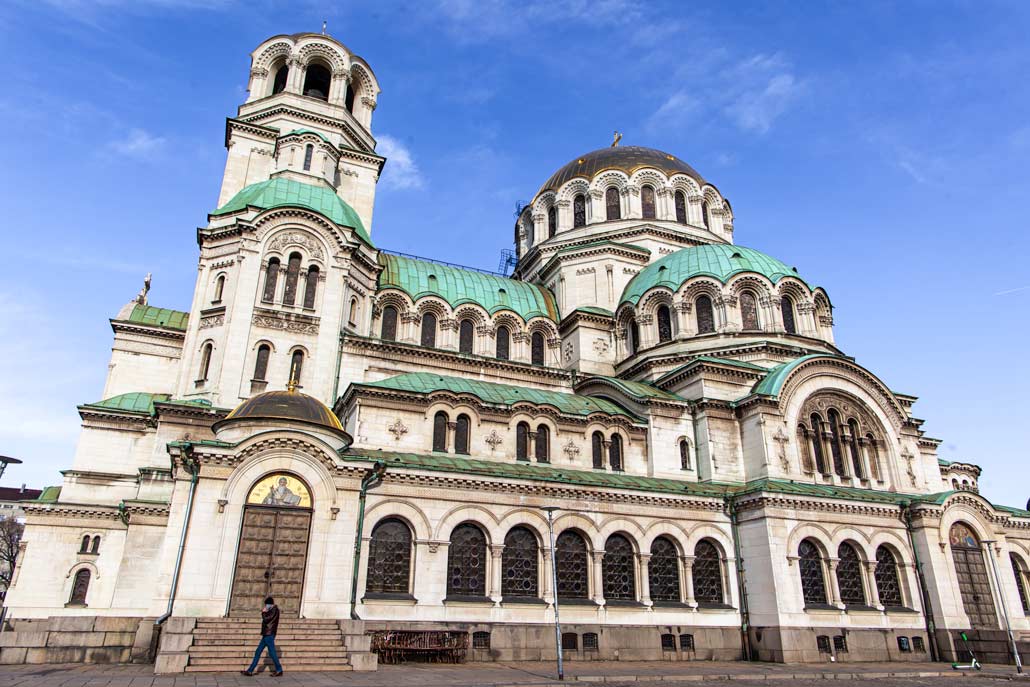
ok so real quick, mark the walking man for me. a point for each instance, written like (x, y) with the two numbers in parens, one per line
(269, 626)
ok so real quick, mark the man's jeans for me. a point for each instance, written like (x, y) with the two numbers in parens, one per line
(269, 642)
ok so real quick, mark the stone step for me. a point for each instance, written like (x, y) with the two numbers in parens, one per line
(279, 641)
(227, 652)
(249, 638)
(256, 632)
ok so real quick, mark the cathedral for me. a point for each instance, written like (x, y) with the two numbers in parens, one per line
(645, 430)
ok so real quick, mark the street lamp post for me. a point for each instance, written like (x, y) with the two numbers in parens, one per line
(987, 543)
(5, 461)
(554, 586)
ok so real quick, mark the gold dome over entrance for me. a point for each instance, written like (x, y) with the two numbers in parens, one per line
(286, 405)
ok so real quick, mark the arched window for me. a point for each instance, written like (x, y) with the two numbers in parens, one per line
(749, 311)
(804, 450)
(503, 342)
(611, 203)
(461, 435)
(80, 586)
(704, 213)
(440, 432)
(663, 573)
(389, 558)
(886, 576)
(466, 562)
(856, 455)
(309, 152)
(664, 324)
(685, 462)
(530, 231)
(787, 310)
(297, 367)
(618, 570)
(836, 449)
(348, 98)
(219, 288)
(615, 453)
(352, 316)
(389, 326)
(205, 361)
(310, 286)
(520, 562)
(954, 484)
(810, 565)
(704, 314)
(522, 441)
(849, 575)
(271, 277)
(316, 82)
(633, 332)
(552, 221)
(681, 207)
(84, 548)
(597, 450)
(466, 336)
(429, 330)
(1019, 572)
(261, 362)
(537, 348)
(817, 444)
(543, 444)
(707, 573)
(647, 209)
(874, 457)
(571, 567)
(579, 211)
(292, 275)
(279, 82)
(95, 548)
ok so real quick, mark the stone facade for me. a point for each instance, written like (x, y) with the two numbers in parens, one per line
(727, 481)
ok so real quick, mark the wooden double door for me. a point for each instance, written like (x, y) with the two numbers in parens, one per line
(975, 587)
(271, 560)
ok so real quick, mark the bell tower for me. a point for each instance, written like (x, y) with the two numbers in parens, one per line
(308, 116)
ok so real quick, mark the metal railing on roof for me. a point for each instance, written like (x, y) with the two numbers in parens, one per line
(444, 263)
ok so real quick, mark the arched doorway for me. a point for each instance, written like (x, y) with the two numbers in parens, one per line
(273, 546)
(973, 583)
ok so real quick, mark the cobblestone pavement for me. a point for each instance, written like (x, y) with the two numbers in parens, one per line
(520, 675)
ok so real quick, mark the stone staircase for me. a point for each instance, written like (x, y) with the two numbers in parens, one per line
(215, 645)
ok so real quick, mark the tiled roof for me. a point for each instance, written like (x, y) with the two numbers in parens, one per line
(419, 278)
(16, 494)
(158, 317)
(283, 192)
(499, 394)
(718, 260)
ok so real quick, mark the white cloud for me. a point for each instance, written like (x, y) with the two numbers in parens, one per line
(138, 143)
(400, 171)
(755, 110)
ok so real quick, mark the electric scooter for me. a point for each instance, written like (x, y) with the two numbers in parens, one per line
(973, 663)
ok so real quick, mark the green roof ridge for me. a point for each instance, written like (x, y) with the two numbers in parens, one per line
(637, 389)
(159, 317)
(595, 310)
(718, 260)
(49, 495)
(419, 278)
(298, 132)
(499, 394)
(772, 383)
(143, 402)
(283, 192)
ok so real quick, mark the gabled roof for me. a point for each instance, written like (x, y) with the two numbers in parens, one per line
(158, 317)
(19, 494)
(419, 278)
(637, 390)
(499, 394)
(284, 192)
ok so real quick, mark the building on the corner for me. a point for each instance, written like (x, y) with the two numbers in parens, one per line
(727, 479)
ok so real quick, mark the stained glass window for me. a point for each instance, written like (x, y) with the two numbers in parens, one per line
(810, 565)
(571, 566)
(440, 432)
(618, 569)
(707, 573)
(461, 435)
(597, 449)
(749, 311)
(537, 348)
(520, 564)
(647, 209)
(543, 444)
(787, 310)
(466, 562)
(389, 558)
(311, 287)
(292, 275)
(522, 441)
(611, 203)
(261, 363)
(615, 453)
(681, 207)
(579, 211)
(429, 330)
(466, 336)
(886, 576)
(705, 316)
(80, 587)
(664, 323)
(663, 572)
(503, 342)
(849, 575)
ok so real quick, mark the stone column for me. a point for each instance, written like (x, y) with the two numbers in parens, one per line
(834, 587)
(295, 77)
(872, 591)
(338, 87)
(688, 580)
(598, 581)
(645, 578)
(496, 552)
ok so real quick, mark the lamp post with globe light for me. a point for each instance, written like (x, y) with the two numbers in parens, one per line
(554, 585)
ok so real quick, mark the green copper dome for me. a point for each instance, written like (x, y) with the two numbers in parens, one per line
(718, 260)
(283, 192)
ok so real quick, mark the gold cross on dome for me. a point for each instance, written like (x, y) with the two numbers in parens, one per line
(616, 139)
(292, 386)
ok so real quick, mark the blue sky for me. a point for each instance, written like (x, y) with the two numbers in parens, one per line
(880, 147)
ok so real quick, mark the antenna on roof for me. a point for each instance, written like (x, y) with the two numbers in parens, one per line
(324, 22)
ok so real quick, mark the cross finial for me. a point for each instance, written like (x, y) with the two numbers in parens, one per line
(616, 139)
(292, 386)
(324, 23)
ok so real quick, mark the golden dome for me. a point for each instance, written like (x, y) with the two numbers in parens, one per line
(287, 405)
(626, 159)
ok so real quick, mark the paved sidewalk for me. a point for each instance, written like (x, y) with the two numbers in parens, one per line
(521, 674)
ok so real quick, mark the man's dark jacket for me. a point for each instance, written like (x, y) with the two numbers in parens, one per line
(270, 621)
